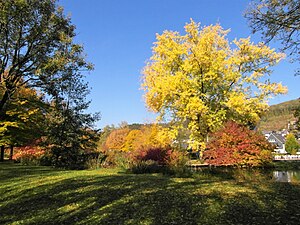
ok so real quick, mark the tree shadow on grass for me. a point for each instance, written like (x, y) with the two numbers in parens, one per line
(115, 199)
(10, 170)
(94, 198)
(278, 203)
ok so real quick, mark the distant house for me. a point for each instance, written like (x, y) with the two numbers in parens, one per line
(278, 140)
(284, 132)
(266, 133)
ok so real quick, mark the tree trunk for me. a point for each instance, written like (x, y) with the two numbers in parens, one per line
(4, 99)
(2, 154)
(11, 152)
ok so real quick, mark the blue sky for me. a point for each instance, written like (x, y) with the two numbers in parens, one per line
(118, 36)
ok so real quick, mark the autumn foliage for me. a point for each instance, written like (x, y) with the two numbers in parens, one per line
(116, 139)
(28, 155)
(147, 137)
(200, 79)
(159, 155)
(238, 146)
(143, 149)
(158, 159)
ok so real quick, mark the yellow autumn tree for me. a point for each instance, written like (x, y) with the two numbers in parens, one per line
(23, 118)
(117, 139)
(200, 79)
(131, 140)
(151, 136)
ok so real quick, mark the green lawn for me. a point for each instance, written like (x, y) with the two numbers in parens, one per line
(41, 195)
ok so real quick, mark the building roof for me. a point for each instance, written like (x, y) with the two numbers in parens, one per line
(278, 137)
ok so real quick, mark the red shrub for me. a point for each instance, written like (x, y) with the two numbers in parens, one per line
(237, 145)
(163, 156)
(159, 155)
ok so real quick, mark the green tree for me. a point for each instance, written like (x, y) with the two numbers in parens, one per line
(297, 116)
(36, 48)
(199, 80)
(291, 144)
(279, 20)
(37, 51)
(70, 130)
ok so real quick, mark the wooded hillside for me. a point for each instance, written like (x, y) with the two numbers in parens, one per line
(279, 115)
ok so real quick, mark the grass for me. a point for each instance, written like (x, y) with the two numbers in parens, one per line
(42, 195)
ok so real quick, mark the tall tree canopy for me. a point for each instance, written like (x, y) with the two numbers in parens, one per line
(279, 20)
(36, 48)
(70, 132)
(199, 80)
(37, 53)
(24, 119)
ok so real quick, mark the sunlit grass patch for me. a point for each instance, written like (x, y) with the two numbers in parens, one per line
(42, 195)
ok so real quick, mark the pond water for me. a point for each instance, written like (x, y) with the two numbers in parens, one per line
(286, 176)
(276, 175)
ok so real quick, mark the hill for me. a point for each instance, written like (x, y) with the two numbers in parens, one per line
(275, 119)
(279, 115)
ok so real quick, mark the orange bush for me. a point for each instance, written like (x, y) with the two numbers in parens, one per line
(28, 154)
